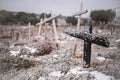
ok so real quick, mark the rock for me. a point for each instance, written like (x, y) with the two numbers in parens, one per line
(79, 55)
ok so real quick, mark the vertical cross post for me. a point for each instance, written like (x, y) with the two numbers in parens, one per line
(54, 29)
(78, 25)
(17, 35)
(40, 27)
(29, 30)
(87, 50)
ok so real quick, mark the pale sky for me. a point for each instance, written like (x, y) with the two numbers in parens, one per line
(64, 7)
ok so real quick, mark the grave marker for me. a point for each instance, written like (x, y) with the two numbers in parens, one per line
(89, 38)
(54, 25)
(54, 29)
(78, 24)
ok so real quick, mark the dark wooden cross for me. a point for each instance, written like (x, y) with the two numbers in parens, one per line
(88, 38)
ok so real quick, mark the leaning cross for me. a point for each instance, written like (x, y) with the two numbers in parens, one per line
(45, 21)
(78, 14)
(78, 24)
(53, 22)
(89, 38)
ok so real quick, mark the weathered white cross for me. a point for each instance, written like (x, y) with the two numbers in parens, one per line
(52, 18)
(78, 24)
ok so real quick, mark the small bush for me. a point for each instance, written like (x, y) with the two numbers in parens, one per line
(8, 63)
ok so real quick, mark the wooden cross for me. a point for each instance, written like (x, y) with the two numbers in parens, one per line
(53, 22)
(88, 38)
(54, 28)
(78, 24)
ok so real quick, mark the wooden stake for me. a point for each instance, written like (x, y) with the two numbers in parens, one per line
(78, 25)
(54, 28)
(40, 25)
(29, 25)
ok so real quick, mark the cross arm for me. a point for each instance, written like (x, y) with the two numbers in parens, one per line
(80, 13)
(49, 19)
(99, 40)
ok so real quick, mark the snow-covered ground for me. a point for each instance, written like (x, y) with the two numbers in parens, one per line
(61, 64)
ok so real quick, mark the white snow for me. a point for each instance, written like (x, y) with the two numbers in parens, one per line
(72, 39)
(24, 56)
(118, 40)
(41, 78)
(69, 38)
(112, 47)
(101, 76)
(100, 58)
(14, 53)
(55, 55)
(40, 37)
(12, 46)
(77, 71)
(56, 74)
(32, 50)
(100, 31)
(96, 74)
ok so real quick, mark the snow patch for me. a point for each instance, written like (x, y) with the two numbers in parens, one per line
(71, 38)
(40, 37)
(15, 53)
(101, 76)
(100, 58)
(56, 74)
(41, 78)
(55, 56)
(32, 50)
(12, 46)
(118, 40)
(112, 47)
(24, 56)
(100, 31)
(77, 70)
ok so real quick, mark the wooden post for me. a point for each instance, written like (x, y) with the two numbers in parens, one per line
(87, 50)
(40, 25)
(54, 29)
(78, 25)
(29, 33)
(17, 36)
(12, 34)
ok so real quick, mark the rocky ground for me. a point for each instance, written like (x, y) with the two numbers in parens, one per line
(61, 63)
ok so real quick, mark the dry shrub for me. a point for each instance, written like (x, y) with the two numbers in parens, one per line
(96, 63)
(45, 47)
(8, 63)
